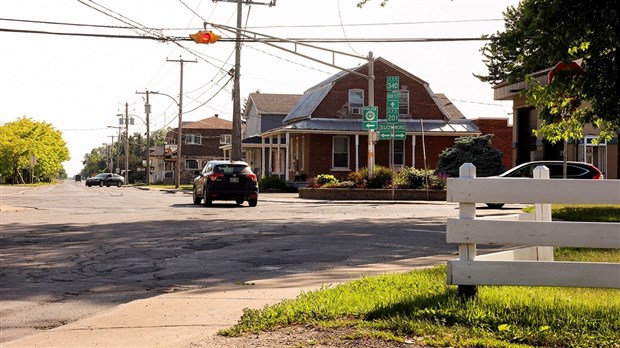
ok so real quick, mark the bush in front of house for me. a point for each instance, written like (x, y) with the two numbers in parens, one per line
(271, 182)
(414, 178)
(323, 180)
(475, 150)
(382, 177)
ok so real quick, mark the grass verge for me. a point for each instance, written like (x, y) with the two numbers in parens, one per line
(420, 305)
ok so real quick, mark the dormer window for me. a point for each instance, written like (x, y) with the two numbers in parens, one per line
(356, 101)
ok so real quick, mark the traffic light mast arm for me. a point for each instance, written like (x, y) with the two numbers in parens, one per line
(256, 36)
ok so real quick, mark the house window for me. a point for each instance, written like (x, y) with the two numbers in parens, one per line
(399, 152)
(193, 139)
(191, 164)
(403, 102)
(340, 158)
(225, 138)
(356, 101)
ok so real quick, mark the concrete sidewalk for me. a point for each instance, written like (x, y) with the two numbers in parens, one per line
(192, 318)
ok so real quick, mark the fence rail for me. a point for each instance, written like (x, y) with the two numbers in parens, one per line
(531, 264)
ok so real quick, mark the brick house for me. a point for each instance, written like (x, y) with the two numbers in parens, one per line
(323, 132)
(201, 143)
(526, 147)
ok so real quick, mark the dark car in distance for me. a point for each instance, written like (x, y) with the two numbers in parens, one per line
(105, 179)
(225, 180)
(574, 170)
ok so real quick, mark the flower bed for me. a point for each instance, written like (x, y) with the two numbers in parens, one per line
(348, 194)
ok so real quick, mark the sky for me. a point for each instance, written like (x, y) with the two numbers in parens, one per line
(80, 84)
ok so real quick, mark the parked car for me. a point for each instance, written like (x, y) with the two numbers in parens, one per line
(574, 170)
(107, 179)
(226, 180)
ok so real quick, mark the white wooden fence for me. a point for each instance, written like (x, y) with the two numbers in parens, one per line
(532, 264)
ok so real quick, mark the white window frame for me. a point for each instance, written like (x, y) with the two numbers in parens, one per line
(403, 93)
(348, 152)
(193, 139)
(188, 167)
(353, 105)
(225, 138)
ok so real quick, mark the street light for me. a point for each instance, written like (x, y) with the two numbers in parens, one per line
(177, 170)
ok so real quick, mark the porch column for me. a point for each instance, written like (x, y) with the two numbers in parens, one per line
(413, 151)
(270, 155)
(262, 157)
(357, 152)
(278, 167)
(287, 156)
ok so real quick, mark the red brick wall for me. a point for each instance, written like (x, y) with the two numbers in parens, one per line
(319, 160)
(421, 104)
(502, 136)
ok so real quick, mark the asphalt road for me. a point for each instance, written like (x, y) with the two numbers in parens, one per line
(68, 251)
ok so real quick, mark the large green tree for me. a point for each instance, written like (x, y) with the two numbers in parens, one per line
(542, 33)
(24, 138)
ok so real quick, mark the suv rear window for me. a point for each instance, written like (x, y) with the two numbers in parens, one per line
(232, 169)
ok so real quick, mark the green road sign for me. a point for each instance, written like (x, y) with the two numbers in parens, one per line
(393, 83)
(370, 113)
(400, 136)
(370, 117)
(399, 131)
(392, 117)
(385, 127)
(385, 135)
(392, 107)
(369, 125)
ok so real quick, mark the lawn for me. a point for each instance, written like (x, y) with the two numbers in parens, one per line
(418, 306)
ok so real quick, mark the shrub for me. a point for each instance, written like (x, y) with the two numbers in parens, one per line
(475, 150)
(271, 182)
(410, 178)
(359, 177)
(342, 184)
(437, 182)
(381, 178)
(325, 179)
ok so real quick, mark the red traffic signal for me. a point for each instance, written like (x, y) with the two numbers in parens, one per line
(205, 37)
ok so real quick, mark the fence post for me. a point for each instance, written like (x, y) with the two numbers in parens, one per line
(542, 212)
(467, 252)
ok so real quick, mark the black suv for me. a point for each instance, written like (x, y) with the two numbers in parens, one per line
(225, 180)
(574, 170)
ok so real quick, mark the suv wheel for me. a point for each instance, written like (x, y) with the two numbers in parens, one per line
(197, 199)
(119, 184)
(100, 183)
(253, 202)
(207, 202)
(240, 202)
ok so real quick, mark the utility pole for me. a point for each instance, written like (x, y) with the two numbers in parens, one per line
(126, 143)
(177, 170)
(147, 111)
(235, 154)
(111, 154)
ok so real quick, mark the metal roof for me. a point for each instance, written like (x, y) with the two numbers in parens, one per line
(326, 125)
(307, 103)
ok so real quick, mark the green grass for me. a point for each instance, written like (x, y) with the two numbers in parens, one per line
(419, 305)
(584, 212)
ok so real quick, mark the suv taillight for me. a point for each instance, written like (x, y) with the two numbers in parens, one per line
(251, 176)
(214, 176)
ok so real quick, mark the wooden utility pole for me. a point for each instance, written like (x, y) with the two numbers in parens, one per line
(147, 111)
(177, 170)
(235, 154)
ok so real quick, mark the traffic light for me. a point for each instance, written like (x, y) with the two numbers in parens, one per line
(205, 37)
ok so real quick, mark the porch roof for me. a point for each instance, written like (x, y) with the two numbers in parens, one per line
(327, 126)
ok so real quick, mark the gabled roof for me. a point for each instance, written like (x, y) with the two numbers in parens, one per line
(210, 123)
(273, 104)
(451, 109)
(312, 97)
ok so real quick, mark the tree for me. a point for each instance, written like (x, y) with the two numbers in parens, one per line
(542, 33)
(24, 138)
(475, 150)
